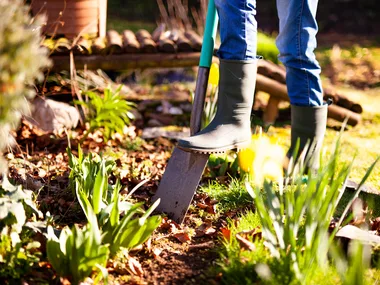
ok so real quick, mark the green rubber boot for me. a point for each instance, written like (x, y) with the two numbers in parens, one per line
(308, 127)
(231, 126)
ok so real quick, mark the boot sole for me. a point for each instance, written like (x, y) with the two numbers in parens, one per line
(237, 146)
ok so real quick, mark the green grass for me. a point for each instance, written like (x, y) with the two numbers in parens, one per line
(237, 266)
(121, 24)
(230, 197)
(240, 266)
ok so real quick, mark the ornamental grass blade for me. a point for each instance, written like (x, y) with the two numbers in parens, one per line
(100, 186)
(115, 215)
(358, 190)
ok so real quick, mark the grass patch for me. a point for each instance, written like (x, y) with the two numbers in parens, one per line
(239, 266)
(236, 265)
(230, 197)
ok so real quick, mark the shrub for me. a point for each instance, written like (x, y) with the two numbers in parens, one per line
(17, 248)
(21, 62)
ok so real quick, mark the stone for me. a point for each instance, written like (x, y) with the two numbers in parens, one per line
(53, 116)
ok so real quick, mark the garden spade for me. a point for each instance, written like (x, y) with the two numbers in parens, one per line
(184, 170)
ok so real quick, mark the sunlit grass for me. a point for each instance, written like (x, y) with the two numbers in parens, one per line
(230, 197)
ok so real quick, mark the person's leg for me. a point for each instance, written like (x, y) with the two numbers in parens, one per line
(238, 65)
(237, 28)
(296, 43)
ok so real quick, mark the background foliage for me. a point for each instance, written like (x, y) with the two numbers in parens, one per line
(21, 62)
(336, 15)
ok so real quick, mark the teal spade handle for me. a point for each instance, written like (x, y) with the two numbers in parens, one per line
(204, 68)
(209, 36)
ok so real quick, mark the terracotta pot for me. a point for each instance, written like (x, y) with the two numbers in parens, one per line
(72, 17)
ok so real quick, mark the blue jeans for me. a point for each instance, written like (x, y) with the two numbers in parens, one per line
(296, 42)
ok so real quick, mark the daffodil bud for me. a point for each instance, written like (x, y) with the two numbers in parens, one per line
(213, 78)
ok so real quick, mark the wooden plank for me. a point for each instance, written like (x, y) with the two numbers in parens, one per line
(127, 61)
(102, 28)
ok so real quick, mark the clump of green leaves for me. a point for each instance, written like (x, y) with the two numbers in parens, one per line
(21, 61)
(110, 112)
(128, 232)
(133, 229)
(221, 165)
(78, 251)
(18, 251)
(84, 168)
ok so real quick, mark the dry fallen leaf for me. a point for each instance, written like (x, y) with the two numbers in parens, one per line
(244, 243)
(256, 233)
(201, 205)
(156, 252)
(135, 266)
(226, 233)
(182, 237)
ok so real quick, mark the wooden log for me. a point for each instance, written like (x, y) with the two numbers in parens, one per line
(146, 42)
(271, 111)
(279, 90)
(195, 40)
(114, 42)
(166, 43)
(271, 70)
(167, 46)
(62, 46)
(83, 46)
(340, 114)
(342, 101)
(356, 108)
(183, 43)
(130, 43)
(276, 72)
(98, 46)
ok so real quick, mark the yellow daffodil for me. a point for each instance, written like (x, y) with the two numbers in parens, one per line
(263, 159)
(245, 158)
(213, 78)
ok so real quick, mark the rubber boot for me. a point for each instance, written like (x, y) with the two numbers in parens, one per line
(231, 126)
(308, 127)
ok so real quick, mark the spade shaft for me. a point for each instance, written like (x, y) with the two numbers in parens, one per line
(184, 170)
